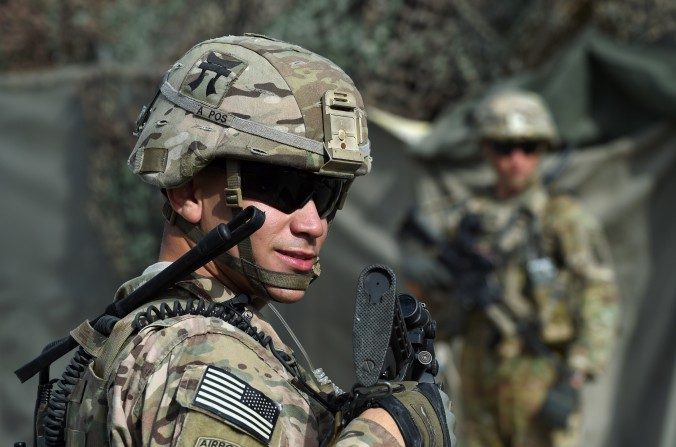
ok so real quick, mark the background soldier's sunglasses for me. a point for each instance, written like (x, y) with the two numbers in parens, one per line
(288, 189)
(509, 147)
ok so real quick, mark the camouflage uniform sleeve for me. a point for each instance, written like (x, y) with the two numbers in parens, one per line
(361, 432)
(154, 397)
(586, 256)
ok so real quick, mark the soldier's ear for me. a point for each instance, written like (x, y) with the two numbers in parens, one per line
(185, 202)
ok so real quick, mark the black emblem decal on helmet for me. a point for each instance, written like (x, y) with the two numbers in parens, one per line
(219, 66)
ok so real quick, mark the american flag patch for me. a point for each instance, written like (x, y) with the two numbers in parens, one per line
(232, 399)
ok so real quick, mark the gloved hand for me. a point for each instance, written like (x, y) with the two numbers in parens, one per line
(426, 271)
(561, 401)
(423, 414)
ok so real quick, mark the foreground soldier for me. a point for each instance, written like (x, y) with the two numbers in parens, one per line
(530, 273)
(239, 121)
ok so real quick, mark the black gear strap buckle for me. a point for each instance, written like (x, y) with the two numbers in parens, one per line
(363, 397)
(376, 391)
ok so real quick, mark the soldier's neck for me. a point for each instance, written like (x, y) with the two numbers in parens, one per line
(504, 191)
(175, 244)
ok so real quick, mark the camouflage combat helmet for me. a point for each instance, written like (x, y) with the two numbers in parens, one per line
(515, 115)
(251, 98)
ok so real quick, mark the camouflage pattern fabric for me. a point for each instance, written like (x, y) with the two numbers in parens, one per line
(503, 384)
(149, 398)
(264, 85)
(515, 114)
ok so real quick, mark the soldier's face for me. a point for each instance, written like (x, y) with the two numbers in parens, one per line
(288, 243)
(515, 163)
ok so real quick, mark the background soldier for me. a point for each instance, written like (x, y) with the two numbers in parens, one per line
(524, 275)
(237, 121)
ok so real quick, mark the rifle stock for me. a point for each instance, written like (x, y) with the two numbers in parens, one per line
(393, 335)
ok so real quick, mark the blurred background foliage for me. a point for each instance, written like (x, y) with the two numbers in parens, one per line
(408, 57)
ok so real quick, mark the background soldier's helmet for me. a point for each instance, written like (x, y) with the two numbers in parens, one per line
(515, 115)
(251, 98)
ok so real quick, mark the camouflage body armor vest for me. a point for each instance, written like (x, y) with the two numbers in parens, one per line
(526, 281)
(85, 413)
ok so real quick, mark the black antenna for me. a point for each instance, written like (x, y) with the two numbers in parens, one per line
(215, 242)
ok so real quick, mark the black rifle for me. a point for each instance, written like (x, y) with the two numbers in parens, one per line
(472, 271)
(392, 341)
(392, 336)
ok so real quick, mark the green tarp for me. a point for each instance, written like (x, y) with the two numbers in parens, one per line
(598, 91)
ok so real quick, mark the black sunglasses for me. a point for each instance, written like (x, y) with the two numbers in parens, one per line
(288, 189)
(509, 147)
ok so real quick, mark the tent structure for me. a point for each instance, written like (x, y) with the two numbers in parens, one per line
(614, 104)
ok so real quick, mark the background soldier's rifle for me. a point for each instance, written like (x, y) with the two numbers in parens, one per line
(392, 341)
(474, 282)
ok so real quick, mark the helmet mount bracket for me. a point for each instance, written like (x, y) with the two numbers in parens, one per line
(342, 133)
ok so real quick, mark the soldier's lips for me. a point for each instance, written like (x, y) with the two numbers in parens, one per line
(298, 260)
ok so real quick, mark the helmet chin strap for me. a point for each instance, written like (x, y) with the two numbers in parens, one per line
(257, 277)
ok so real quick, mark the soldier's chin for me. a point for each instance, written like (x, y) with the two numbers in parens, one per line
(287, 296)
